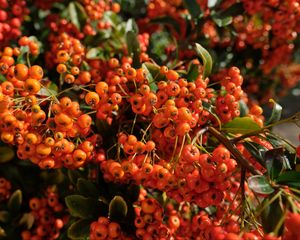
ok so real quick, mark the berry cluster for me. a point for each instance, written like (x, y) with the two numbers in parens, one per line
(105, 229)
(49, 216)
(12, 15)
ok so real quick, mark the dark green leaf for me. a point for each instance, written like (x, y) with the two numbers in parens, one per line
(152, 73)
(82, 207)
(4, 216)
(193, 72)
(271, 215)
(87, 188)
(244, 110)
(15, 201)
(260, 184)
(257, 151)
(277, 141)
(133, 46)
(234, 10)
(193, 8)
(79, 229)
(117, 208)
(74, 175)
(276, 113)
(241, 125)
(206, 59)
(276, 162)
(6, 154)
(289, 176)
(167, 21)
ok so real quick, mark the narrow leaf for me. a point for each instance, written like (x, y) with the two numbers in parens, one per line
(241, 125)
(276, 162)
(257, 151)
(244, 110)
(193, 72)
(260, 184)
(152, 72)
(117, 208)
(27, 219)
(276, 113)
(206, 59)
(73, 14)
(289, 176)
(15, 201)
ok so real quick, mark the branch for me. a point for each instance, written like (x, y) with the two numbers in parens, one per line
(234, 151)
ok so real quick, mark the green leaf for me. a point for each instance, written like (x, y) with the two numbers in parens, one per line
(27, 219)
(133, 44)
(257, 151)
(276, 162)
(288, 177)
(206, 59)
(276, 113)
(15, 201)
(23, 51)
(208, 107)
(193, 8)
(117, 208)
(233, 10)
(271, 215)
(244, 110)
(73, 15)
(74, 175)
(260, 184)
(167, 21)
(152, 73)
(6, 153)
(213, 3)
(223, 21)
(79, 229)
(95, 53)
(4, 216)
(82, 207)
(87, 188)
(50, 90)
(193, 72)
(241, 125)
(131, 26)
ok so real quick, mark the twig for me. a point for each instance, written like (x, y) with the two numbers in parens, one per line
(235, 152)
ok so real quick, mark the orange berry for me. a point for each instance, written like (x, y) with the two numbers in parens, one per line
(21, 71)
(36, 72)
(32, 86)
